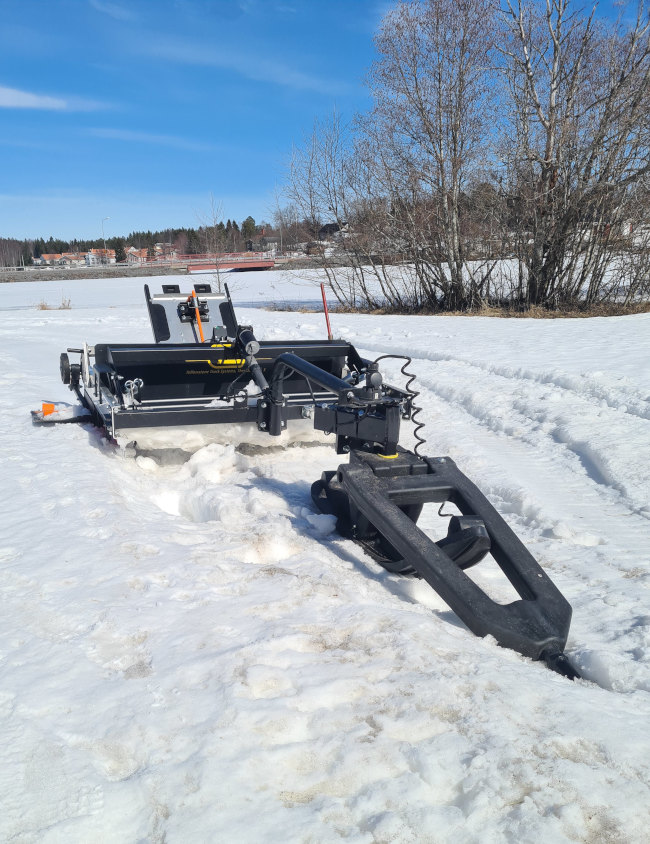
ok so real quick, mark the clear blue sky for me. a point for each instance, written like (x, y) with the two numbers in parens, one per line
(141, 110)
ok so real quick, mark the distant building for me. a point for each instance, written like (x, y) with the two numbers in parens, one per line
(266, 243)
(270, 243)
(135, 256)
(49, 259)
(165, 251)
(73, 259)
(100, 256)
(330, 230)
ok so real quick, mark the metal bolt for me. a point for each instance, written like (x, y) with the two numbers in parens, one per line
(262, 426)
(349, 396)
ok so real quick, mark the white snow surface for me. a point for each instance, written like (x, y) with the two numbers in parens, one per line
(189, 652)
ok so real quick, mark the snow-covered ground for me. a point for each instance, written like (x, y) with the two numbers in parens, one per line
(189, 653)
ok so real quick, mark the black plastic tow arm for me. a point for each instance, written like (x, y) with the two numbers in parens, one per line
(378, 501)
(378, 498)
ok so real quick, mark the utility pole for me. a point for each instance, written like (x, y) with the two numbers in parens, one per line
(105, 256)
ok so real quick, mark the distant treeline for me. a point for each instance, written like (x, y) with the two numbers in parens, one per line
(220, 237)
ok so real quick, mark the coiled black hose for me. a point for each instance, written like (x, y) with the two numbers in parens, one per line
(415, 409)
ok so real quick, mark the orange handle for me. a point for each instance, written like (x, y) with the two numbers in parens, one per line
(198, 316)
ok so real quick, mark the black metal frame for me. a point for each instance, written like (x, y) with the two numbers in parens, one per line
(378, 503)
(378, 497)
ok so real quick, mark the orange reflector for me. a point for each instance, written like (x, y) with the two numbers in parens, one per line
(48, 408)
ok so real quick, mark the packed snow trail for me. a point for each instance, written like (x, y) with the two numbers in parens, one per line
(189, 652)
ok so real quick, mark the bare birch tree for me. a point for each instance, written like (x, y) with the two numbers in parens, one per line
(495, 134)
(212, 236)
(429, 130)
(579, 95)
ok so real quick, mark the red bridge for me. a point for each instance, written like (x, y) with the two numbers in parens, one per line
(229, 261)
(213, 261)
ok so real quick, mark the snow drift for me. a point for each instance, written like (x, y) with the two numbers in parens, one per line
(189, 651)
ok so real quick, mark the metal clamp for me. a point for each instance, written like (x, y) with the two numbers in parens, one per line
(132, 388)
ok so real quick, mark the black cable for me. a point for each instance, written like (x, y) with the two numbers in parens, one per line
(415, 409)
(229, 392)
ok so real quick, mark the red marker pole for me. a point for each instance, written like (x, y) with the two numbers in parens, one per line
(327, 314)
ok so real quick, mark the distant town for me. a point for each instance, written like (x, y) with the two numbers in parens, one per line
(161, 253)
(171, 246)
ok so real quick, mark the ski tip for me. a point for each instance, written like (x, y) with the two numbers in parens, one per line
(53, 413)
